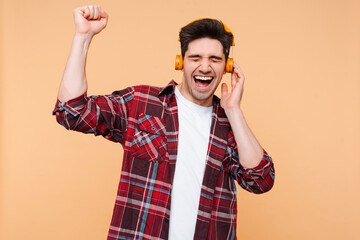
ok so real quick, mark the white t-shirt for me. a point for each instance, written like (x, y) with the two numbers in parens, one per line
(194, 133)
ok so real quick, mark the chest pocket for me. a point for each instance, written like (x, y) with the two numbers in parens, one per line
(149, 139)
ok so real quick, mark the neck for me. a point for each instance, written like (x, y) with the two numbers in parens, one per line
(186, 94)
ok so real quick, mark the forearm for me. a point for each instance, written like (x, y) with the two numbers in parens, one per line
(249, 150)
(74, 82)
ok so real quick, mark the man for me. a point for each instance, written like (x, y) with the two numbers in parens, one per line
(183, 147)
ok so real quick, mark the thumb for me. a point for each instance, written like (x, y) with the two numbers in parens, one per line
(224, 89)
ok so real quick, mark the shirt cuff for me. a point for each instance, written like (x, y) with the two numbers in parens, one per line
(261, 170)
(72, 106)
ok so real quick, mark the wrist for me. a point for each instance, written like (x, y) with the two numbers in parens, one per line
(83, 37)
(234, 111)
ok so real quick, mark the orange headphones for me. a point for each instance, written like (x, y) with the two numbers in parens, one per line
(229, 67)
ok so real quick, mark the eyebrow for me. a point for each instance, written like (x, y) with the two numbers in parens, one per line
(198, 56)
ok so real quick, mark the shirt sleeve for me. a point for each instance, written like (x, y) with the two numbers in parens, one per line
(100, 115)
(259, 179)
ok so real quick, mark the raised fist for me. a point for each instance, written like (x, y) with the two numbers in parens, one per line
(90, 19)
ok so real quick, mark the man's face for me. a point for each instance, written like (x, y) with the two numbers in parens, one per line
(204, 66)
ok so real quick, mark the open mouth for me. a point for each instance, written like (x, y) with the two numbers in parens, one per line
(203, 81)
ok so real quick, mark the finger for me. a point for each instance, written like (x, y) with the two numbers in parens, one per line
(238, 70)
(238, 83)
(103, 14)
(92, 12)
(238, 74)
(237, 66)
(237, 77)
(103, 17)
(224, 89)
(96, 12)
(234, 78)
(85, 12)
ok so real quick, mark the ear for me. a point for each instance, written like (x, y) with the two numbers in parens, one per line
(182, 63)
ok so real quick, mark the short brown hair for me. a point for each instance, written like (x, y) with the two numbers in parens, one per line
(205, 27)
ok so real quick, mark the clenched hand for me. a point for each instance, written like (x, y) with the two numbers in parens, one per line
(90, 19)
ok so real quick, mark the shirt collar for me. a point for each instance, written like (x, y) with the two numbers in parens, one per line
(168, 89)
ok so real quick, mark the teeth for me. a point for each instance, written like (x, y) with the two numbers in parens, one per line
(203, 78)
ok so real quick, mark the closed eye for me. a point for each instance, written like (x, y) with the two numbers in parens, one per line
(216, 59)
(194, 58)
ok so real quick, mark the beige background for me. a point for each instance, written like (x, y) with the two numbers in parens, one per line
(301, 59)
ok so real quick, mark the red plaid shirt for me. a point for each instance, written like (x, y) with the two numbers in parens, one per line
(144, 120)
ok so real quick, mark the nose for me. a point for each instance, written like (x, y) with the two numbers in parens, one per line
(205, 66)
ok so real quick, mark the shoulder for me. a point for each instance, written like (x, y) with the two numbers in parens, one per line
(147, 89)
(143, 90)
(138, 90)
(141, 99)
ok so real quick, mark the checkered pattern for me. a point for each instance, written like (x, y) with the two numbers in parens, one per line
(144, 121)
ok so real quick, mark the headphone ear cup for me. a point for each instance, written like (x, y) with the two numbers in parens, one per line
(178, 62)
(229, 65)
